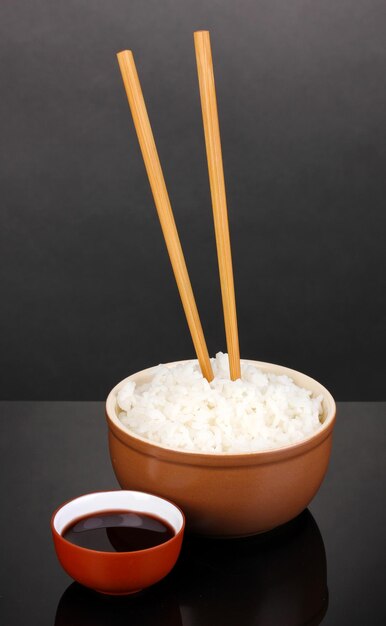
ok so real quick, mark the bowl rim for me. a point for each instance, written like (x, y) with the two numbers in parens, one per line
(104, 553)
(191, 457)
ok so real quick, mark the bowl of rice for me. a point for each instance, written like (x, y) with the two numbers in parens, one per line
(239, 457)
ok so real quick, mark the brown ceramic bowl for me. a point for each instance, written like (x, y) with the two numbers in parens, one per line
(226, 494)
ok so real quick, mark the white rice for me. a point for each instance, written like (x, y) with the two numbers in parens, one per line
(179, 409)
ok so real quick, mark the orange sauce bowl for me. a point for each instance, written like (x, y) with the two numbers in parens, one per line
(117, 573)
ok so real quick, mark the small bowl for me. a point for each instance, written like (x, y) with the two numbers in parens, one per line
(226, 494)
(117, 573)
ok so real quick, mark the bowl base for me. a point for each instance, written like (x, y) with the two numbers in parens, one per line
(118, 593)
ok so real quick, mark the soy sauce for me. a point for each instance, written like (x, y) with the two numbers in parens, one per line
(118, 531)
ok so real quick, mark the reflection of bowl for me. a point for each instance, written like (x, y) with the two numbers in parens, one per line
(274, 579)
(81, 607)
(117, 573)
(226, 494)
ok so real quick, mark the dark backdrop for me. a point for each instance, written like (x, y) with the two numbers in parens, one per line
(88, 295)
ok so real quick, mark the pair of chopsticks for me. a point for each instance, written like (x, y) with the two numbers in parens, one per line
(165, 213)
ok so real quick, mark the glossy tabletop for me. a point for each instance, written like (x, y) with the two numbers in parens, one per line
(327, 566)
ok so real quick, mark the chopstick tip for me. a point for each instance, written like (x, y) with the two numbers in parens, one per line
(123, 53)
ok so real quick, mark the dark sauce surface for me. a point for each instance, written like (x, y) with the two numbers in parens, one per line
(118, 531)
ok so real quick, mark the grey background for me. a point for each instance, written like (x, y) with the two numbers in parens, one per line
(88, 295)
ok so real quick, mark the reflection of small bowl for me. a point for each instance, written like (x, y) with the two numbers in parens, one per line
(226, 494)
(117, 573)
(79, 606)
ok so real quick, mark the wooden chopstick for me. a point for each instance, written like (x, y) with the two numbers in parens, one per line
(217, 188)
(164, 210)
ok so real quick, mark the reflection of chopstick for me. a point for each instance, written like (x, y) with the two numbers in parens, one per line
(217, 188)
(162, 202)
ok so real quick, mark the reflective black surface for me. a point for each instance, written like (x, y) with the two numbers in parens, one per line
(327, 566)
(276, 579)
